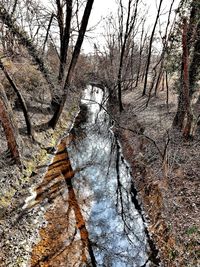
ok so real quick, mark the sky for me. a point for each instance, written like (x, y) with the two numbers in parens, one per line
(102, 8)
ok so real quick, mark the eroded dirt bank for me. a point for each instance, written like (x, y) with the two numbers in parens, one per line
(20, 216)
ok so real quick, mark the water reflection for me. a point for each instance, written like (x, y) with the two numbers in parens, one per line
(103, 183)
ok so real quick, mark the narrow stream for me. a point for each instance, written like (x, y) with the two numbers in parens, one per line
(102, 184)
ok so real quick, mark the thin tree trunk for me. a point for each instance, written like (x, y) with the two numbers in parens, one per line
(21, 100)
(142, 42)
(130, 23)
(14, 7)
(181, 111)
(77, 49)
(167, 87)
(180, 114)
(47, 33)
(123, 46)
(164, 49)
(150, 49)
(163, 82)
(64, 42)
(194, 66)
(187, 128)
(152, 82)
(11, 131)
(159, 78)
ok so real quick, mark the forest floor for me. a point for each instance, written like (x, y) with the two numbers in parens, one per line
(168, 186)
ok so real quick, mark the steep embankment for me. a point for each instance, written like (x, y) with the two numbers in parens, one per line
(37, 200)
(20, 218)
(166, 175)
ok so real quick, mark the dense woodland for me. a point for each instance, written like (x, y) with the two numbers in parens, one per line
(148, 69)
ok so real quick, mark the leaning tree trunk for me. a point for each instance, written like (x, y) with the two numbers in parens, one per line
(24, 39)
(11, 131)
(21, 100)
(76, 52)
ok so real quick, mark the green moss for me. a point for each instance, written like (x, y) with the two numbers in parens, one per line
(6, 199)
(53, 137)
(30, 166)
(4, 202)
(192, 230)
(173, 254)
(42, 157)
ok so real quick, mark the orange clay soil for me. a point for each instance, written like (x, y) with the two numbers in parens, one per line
(64, 240)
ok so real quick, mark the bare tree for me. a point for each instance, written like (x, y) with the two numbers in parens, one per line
(165, 42)
(143, 40)
(189, 70)
(64, 23)
(73, 63)
(10, 129)
(20, 98)
(129, 26)
(47, 32)
(6, 18)
(150, 48)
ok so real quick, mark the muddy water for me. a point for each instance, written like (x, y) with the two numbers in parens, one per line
(91, 219)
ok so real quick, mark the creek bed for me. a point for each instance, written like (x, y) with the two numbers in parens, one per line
(103, 187)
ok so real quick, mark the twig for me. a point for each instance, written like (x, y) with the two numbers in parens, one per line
(128, 129)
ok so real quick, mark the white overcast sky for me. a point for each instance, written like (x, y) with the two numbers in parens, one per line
(102, 8)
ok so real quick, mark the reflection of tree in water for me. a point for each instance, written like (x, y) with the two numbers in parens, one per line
(65, 238)
(93, 221)
(116, 228)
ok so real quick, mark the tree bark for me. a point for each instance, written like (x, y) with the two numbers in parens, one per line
(76, 52)
(187, 128)
(64, 35)
(47, 33)
(184, 107)
(194, 66)
(11, 131)
(191, 47)
(21, 100)
(150, 49)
